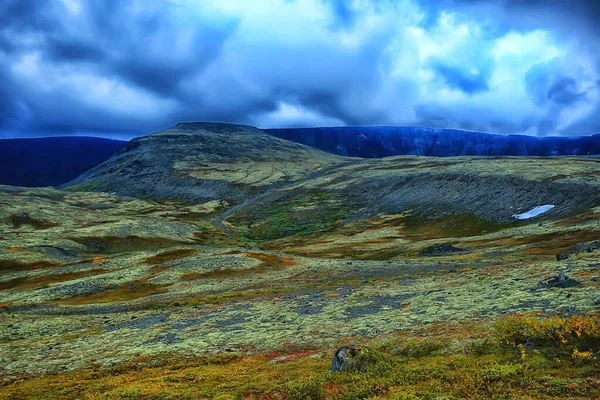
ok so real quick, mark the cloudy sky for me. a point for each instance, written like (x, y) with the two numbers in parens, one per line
(121, 68)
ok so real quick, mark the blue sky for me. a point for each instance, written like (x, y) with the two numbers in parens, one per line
(121, 68)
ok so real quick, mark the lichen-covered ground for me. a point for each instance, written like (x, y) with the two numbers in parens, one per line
(91, 281)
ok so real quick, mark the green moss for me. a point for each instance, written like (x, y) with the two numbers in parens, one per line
(88, 186)
(115, 244)
(449, 226)
(309, 215)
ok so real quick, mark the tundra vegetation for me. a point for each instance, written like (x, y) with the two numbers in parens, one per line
(236, 268)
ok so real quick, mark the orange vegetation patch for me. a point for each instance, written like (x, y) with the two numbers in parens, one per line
(268, 259)
(170, 255)
(547, 244)
(42, 281)
(553, 243)
(14, 250)
(142, 287)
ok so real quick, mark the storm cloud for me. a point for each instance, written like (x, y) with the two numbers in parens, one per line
(130, 67)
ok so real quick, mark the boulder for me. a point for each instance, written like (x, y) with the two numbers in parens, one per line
(342, 356)
(559, 281)
(439, 250)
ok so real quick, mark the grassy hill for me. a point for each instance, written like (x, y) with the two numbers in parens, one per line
(214, 261)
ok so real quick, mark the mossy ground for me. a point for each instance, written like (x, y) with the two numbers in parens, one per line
(109, 297)
(450, 362)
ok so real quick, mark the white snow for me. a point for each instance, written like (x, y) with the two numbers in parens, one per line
(534, 212)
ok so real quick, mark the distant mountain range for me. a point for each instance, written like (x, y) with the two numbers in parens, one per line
(54, 161)
(384, 141)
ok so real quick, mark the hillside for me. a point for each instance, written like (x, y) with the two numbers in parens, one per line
(216, 261)
(203, 162)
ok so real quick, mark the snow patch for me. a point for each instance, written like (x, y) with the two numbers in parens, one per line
(534, 212)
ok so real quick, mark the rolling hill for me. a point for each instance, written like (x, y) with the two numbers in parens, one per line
(217, 261)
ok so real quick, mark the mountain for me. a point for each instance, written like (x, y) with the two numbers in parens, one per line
(52, 161)
(384, 141)
(242, 165)
(202, 162)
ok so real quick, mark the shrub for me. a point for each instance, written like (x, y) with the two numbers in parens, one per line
(369, 360)
(576, 332)
(501, 373)
(310, 389)
(416, 348)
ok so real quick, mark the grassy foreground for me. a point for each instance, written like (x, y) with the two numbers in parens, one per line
(519, 357)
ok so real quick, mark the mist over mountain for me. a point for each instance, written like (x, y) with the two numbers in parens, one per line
(383, 141)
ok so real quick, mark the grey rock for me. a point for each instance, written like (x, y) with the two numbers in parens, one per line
(559, 281)
(439, 250)
(341, 357)
(99, 206)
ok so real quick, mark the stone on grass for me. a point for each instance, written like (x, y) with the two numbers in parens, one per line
(559, 281)
(439, 250)
(341, 358)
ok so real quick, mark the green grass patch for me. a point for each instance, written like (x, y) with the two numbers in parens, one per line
(306, 216)
(115, 244)
(420, 226)
(90, 185)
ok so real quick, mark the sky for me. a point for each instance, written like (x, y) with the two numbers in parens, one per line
(124, 68)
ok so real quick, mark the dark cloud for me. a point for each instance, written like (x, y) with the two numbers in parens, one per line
(73, 50)
(27, 15)
(564, 91)
(568, 16)
(461, 79)
(132, 67)
(344, 15)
